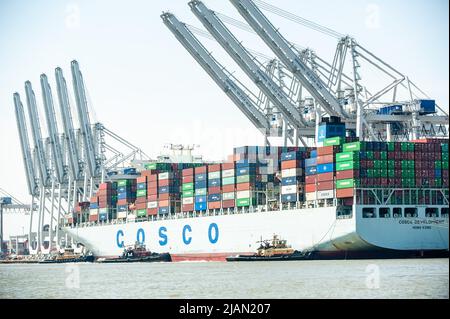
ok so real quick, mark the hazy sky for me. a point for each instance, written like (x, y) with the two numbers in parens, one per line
(145, 87)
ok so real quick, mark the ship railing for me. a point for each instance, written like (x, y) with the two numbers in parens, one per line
(401, 196)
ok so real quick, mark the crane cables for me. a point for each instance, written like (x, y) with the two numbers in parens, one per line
(297, 19)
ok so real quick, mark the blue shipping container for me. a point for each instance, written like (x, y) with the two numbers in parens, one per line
(325, 168)
(288, 198)
(312, 170)
(200, 177)
(103, 217)
(200, 206)
(214, 182)
(245, 163)
(142, 186)
(201, 184)
(289, 181)
(310, 162)
(93, 205)
(313, 154)
(122, 208)
(163, 189)
(245, 171)
(164, 210)
(200, 199)
(214, 197)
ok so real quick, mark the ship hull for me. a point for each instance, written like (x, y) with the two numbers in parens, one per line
(218, 236)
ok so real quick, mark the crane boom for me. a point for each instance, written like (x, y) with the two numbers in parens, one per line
(285, 52)
(37, 136)
(85, 125)
(25, 145)
(74, 156)
(216, 72)
(247, 62)
(57, 154)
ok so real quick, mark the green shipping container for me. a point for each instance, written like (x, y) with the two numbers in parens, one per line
(141, 212)
(242, 179)
(188, 193)
(228, 180)
(347, 156)
(187, 186)
(445, 165)
(391, 146)
(333, 141)
(351, 147)
(383, 155)
(437, 164)
(123, 182)
(342, 166)
(345, 183)
(243, 202)
(141, 193)
(445, 157)
(201, 191)
(444, 147)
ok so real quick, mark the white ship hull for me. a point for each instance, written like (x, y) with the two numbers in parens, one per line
(218, 236)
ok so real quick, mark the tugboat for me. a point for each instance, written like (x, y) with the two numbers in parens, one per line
(276, 249)
(137, 253)
(69, 255)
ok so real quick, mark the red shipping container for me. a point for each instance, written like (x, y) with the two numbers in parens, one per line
(344, 192)
(228, 188)
(290, 164)
(164, 182)
(243, 186)
(152, 178)
(141, 205)
(325, 177)
(188, 179)
(310, 188)
(350, 173)
(310, 179)
(152, 191)
(140, 200)
(214, 168)
(152, 211)
(152, 185)
(226, 166)
(214, 190)
(325, 159)
(214, 205)
(94, 199)
(104, 186)
(163, 203)
(93, 218)
(141, 180)
(187, 207)
(327, 150)
(164, 196)
(122, 202)
(188, 172)
(228, 203)
(152, 198)
(200, 170)
(324, 186)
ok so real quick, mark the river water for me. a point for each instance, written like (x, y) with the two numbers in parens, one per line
(394, 278)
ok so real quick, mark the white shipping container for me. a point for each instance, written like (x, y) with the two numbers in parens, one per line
(213, 175)
(228, 196)
(288, 189)
(163, 176)
(131, 216)
(325, 194)
(291, 172)
(152, 204)
(122, 215)
(188, 200)
(93, 211)
(311, 196)
(243, 194)
(103, 210)
(228, 173)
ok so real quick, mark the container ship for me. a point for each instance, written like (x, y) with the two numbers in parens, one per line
(362, 170)
(341, 200)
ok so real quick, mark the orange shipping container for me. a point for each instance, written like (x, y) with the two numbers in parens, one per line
(325, 150)
(164, 196)
(310, 179)
(228, 188)
(325, 177)
(163, 203)
(226, 166)
(142, 179)
(214, 168)
(214, 205)
(344, 193)
(310, 188)
(324, 186)
(152, 211)
(243, 186)
(325, 159)
(290, 164)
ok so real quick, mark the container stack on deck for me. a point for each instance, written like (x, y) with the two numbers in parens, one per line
(334, 170)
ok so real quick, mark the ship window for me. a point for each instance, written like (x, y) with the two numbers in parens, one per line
(384, 212)
(397, 212)
(444, 212)
(431, 212)
(369, 212)
(410, 212)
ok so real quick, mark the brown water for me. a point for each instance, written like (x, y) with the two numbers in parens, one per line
(405, 278)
